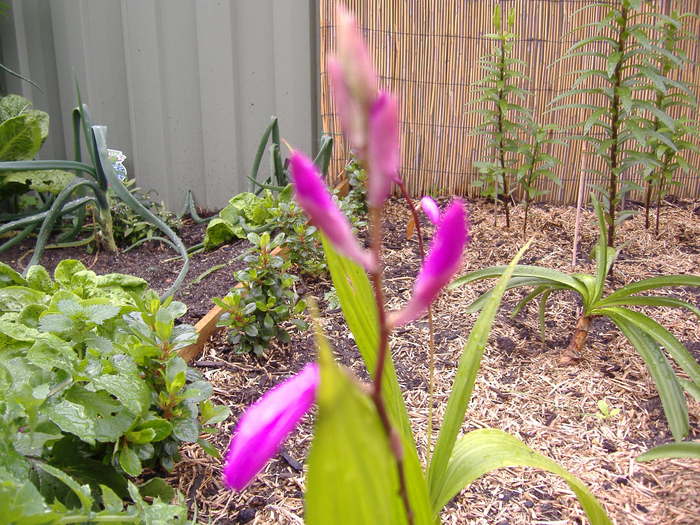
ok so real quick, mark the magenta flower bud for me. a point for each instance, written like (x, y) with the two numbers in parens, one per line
(354, 59)
(266, 424)
(312, 195)
(440, 264)
(383, 154)
(431, 210)
(353, 117)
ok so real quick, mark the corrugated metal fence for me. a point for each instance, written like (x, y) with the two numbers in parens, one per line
(427, 52)
(185, 87)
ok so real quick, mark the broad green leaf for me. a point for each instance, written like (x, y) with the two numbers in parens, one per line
(131, 391)
(157, 488)
(20, 138)
(45, 181)
(463, 384)
(352, 477)
(81, 491)
(129, 461)
(692, 388)
(601, 251)
(688, 449)
(669, 388)
(360, 311)
(9, 277)
(73, 418)
(21, 502)
(15, 298)
(485, 450)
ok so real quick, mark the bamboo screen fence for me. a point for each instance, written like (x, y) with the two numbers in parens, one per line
(427, 52)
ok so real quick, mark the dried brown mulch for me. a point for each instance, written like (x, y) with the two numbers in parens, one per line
(520, 389)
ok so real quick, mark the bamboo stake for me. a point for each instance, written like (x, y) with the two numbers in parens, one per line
(579, 205)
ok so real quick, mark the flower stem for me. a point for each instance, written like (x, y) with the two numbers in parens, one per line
(431, 327)
(393, 437)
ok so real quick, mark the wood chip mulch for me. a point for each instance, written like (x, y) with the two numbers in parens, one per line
(520, 389)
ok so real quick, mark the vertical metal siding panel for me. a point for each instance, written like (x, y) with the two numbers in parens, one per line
(185, 87)
(223, 174)
(106, 90)
(27, 39)
(147, 91)
(182, 116)
(252, 22)
(292, 44)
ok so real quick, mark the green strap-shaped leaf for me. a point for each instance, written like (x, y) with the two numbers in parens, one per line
(463, 385)
(515, 282)
(360, 311)
(482, 451)
(654, 282)
(670, 391)
(523, 270)
(663, 337)
(650, 300)
(688, 449)
(353, 476)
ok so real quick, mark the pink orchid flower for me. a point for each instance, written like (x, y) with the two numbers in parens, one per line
(383, 154)
(266, 424)
(431, 210)
(440, 264)
(312, 195)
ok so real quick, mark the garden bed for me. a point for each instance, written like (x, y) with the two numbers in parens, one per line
(520, 389)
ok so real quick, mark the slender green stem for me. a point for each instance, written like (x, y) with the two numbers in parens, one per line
(393, 437)
(431, 325)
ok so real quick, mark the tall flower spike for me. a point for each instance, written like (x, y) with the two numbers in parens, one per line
(431, 210)
(383, 153)
(354, 59)
(266, 424)
(439, 266)
(312, 195)
(353, 80)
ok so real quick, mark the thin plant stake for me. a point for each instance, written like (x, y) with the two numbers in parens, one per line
(579, 205)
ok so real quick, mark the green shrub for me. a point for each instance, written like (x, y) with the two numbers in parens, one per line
(92, 385)
(255, 311)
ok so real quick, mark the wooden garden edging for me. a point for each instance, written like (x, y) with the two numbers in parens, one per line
(206, 326)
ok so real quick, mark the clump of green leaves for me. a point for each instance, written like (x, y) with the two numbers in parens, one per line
(23, 130)
(354, 204)
(537, 163)
(130, 227)
(91, 383)
(504, 119)
(653, 342)
(256, 310)
(615, 127)
(672, 95)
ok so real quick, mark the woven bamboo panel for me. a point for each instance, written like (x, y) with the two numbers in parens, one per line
(427, 53)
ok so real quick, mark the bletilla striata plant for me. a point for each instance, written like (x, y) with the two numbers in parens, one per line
(363, 467)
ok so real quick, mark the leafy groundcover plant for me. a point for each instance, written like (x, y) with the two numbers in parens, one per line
(92, 392)
(645, 334)
(363, 465)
